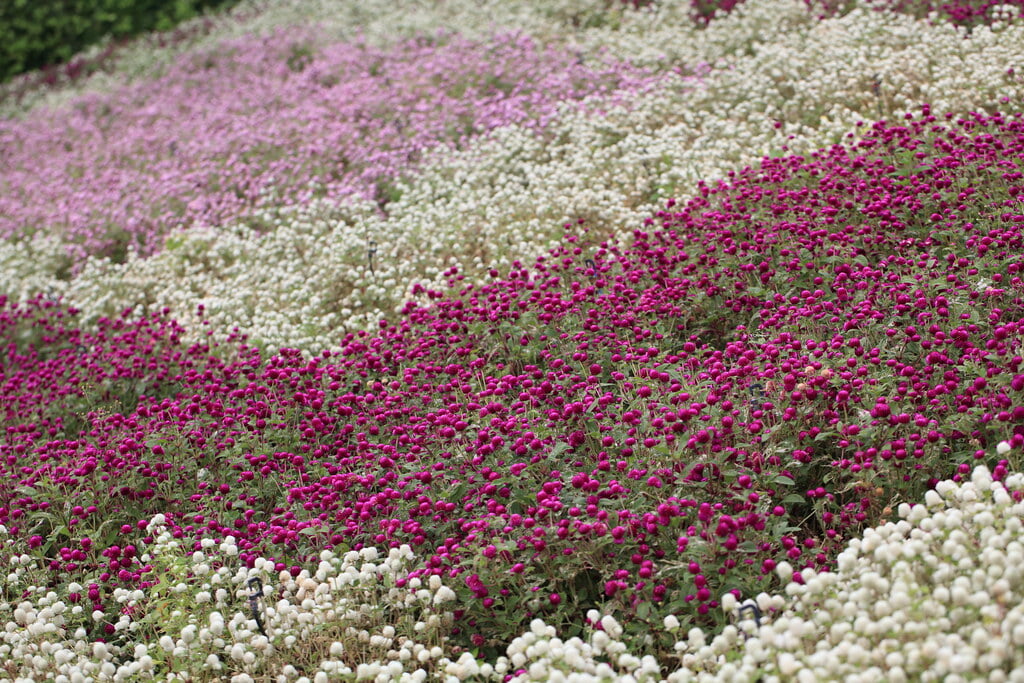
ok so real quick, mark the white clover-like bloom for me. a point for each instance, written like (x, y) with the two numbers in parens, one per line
(671, 623)
(444, 594)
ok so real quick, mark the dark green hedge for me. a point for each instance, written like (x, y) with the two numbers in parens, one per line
(38, 33)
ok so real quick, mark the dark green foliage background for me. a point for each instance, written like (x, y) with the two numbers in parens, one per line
(38, 33)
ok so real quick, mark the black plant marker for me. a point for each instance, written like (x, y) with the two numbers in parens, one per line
(752, 607)
(254, 602)
(369, 254)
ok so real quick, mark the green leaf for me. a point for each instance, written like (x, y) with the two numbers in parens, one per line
(783, 480)
(559, 448)
(677, 606)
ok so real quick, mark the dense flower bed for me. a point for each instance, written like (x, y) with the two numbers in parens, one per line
(206, 143)
(539, 419)
(642, 427)
(341, 620)
(301, 276)
(966, 13)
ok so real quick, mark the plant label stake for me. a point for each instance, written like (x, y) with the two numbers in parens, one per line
(752, 607)
(254, 602)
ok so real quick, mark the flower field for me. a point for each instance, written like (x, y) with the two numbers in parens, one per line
(577, 340)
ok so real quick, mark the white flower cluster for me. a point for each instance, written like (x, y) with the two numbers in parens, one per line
(507, 195)
(935, 596)
(334, 620)
(541, 656)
